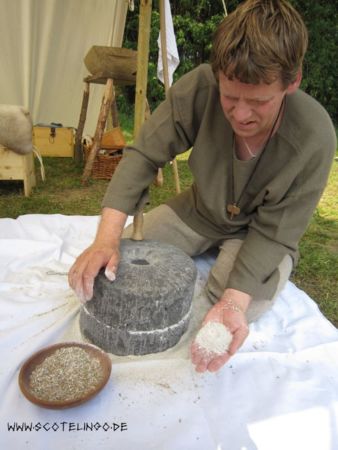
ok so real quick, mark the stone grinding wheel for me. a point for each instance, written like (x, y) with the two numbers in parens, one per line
(148, 307)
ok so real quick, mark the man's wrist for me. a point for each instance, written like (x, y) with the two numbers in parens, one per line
(235, 300)
(110, 228)
(229, 304)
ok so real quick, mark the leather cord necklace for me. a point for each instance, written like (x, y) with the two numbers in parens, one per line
(249, 149)
(233, 208)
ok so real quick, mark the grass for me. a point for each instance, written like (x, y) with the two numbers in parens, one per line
(317, 271)
(63, 193)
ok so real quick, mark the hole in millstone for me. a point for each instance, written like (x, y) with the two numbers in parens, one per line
(140, 262)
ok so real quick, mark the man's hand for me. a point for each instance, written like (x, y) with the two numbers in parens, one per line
(83, 272)
(230, 314)
(103, 252)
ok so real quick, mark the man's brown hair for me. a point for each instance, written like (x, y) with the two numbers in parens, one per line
(261, 41)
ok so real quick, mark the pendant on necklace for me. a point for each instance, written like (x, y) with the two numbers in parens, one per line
(233, 209)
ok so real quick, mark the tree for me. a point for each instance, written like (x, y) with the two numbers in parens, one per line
(195, 22)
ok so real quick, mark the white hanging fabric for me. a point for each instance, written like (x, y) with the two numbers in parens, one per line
(172, 52)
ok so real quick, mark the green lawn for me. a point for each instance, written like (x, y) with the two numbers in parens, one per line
(63, 193)
(317, 272)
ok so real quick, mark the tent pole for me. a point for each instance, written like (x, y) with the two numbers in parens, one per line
(142, 63)
(141, 89)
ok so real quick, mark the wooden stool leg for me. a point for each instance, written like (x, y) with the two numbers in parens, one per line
(79, 131)
(114, 113)
(29, 180)
(101, 123)
(176, 176)
(27, 187)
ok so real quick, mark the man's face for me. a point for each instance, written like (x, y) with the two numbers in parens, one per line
(251, 109)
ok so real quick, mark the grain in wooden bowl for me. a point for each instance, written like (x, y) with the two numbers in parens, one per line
(64, 375)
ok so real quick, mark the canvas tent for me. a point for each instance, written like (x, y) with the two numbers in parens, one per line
(42, 46)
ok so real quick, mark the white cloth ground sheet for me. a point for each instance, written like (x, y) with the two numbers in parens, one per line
(279, 392)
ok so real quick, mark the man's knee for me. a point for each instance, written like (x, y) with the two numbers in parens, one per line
(164, 225)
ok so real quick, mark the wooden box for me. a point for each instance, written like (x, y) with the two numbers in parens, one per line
(17, 167)
(54, 141)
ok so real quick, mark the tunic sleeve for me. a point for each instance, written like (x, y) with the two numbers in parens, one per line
(169, 131)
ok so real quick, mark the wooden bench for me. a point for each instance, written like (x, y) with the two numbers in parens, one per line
(18, 167)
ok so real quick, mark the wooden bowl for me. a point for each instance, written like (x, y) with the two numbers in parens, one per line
(39, 357)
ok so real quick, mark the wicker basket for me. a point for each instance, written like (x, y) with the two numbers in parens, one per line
(109, 155)
(105, 162)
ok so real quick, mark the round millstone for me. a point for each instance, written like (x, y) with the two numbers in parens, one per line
(147, 308)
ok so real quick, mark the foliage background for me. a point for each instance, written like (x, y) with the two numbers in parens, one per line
(194, 24)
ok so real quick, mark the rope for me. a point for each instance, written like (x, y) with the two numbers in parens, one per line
(42, 168)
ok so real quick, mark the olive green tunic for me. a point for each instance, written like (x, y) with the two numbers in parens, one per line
(285, 183)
